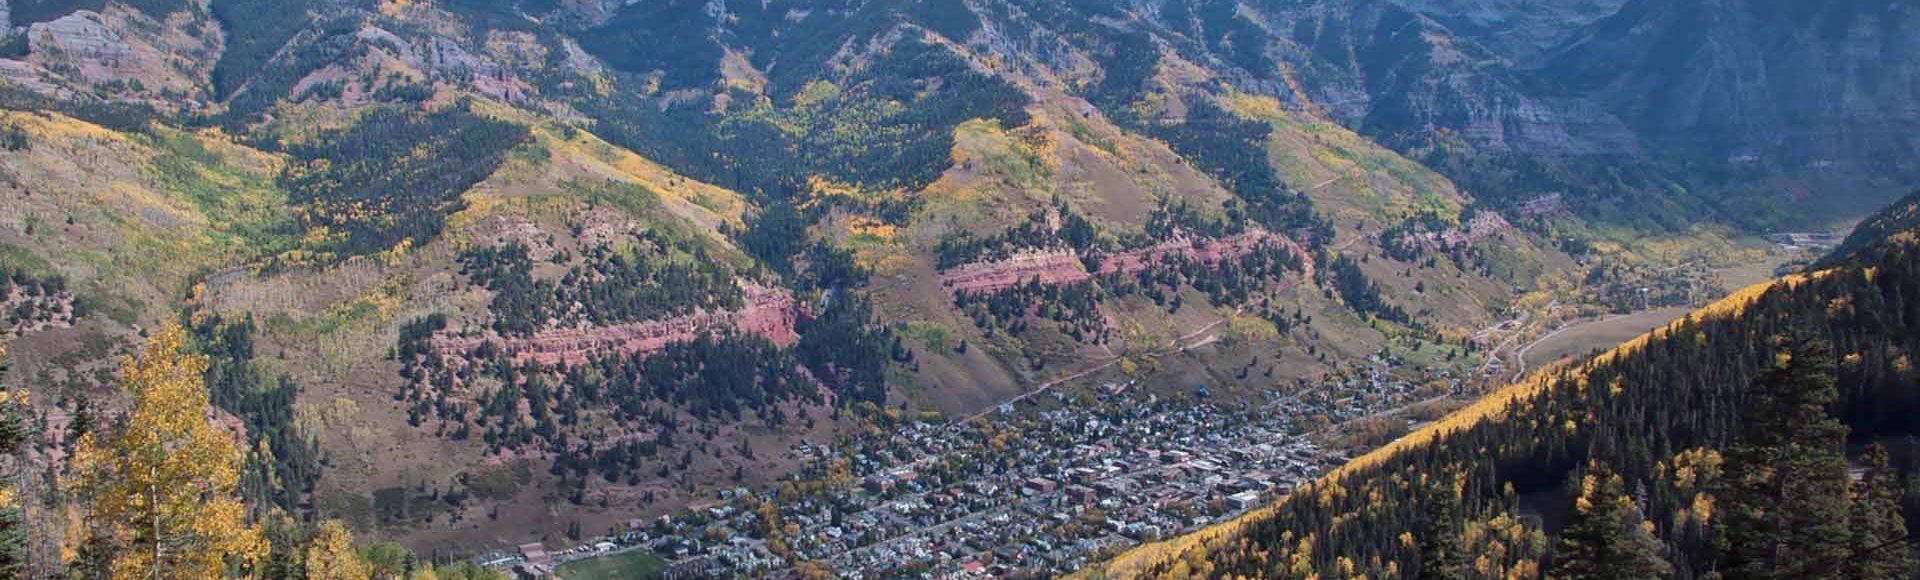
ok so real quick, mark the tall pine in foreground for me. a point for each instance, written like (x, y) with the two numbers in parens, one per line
(1785, 513)
(1441, 555)
(1880, 549)
(1606, 540)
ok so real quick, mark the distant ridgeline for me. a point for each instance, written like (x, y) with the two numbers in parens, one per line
(1727, 430)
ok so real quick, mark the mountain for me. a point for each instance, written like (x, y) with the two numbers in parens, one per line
(452, 246)
(1520, 32)
(1670, 412)
(1813, 81)
(1896, 222)
(472, 272)
(1744, 88)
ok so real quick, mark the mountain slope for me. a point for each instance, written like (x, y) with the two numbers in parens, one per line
(427, 224)
(1895, 223)
(492, 250)
(1821, 81)
(1653, 406)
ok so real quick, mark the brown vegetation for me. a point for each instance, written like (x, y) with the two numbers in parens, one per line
(771, 313)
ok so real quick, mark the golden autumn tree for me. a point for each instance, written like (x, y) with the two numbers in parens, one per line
(160, 489)
(331, 557)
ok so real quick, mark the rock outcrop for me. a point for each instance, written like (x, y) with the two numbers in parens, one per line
(1483, 226)
(1064, 266)
(129, 53)
(1794, 84)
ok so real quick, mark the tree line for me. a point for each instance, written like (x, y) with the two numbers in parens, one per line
(157, 492)
(394, 175)
(1732, 435)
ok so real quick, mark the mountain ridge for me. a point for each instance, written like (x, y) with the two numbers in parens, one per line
(387, 202)
(1877, 266)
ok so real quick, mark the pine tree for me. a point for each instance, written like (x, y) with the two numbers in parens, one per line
(14, 433)
(160, 490)
(1605, 540)
(1441, 556)
(286, 556)
(1879, 541)
(1785, 477)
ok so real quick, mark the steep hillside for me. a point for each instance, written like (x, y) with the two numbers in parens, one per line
(1661, 411)
(1823, 81)
(128, 221)
(1520, 31)
(473, 273)
(1897, 222)
(1515, 100)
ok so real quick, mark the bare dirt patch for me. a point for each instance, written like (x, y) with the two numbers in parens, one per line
(1583, 338)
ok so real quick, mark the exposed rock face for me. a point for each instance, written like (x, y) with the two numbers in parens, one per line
(1522, 31)
(1482, 227)
(32, 77)
(1057, 267)
(82, 38)
(1809, 81)
(1802, 84)
(1399, 74)
(1806, 84)
(483, 74)
(504, 230)
(1050, 267)
(146, 58)
(769, 312)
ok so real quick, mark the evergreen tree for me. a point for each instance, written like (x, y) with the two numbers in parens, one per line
(1605, 540)
(14, 433)
(1441, 556)
(286, 555)
(1879, 541)
(1786, 496)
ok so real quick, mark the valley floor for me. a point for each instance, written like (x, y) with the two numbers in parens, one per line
(1050, 482)
(1060, 476)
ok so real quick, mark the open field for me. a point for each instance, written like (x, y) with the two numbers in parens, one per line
(1599, 334)
(625, 566)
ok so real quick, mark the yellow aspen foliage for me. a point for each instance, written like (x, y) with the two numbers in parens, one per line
(1301, 564)
(1198, 563)
(1524, 570)
(1584, 504)
(1703, 508)
(331, 556)
(163, 485)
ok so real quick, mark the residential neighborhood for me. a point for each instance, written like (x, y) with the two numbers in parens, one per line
(1047, 485)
